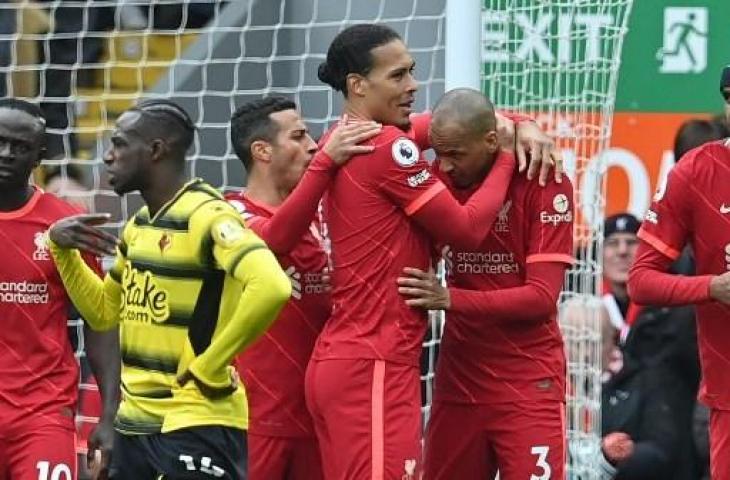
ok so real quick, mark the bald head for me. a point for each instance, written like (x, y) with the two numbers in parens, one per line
(466, 109)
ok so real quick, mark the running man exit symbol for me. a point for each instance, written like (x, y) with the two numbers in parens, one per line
(685, 40)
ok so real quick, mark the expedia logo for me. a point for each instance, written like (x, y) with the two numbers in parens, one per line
(143, 301)
(556, 218)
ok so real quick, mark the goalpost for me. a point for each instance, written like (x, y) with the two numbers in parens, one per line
(557, 60)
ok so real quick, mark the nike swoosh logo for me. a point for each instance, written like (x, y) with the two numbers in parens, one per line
(724, 209)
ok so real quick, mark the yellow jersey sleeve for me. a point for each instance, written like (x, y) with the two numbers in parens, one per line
(98, 301)
(266, 289)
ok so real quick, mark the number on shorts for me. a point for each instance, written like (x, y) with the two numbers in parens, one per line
(206, 465)
(59, 472)
(542, 453)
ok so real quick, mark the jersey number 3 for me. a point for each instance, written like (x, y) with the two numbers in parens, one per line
(542, 453)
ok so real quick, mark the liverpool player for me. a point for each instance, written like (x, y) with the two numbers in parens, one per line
(38, 392)
(191, 287)
(693, 207)
(382, 209)
(273, 143)
(500, 379)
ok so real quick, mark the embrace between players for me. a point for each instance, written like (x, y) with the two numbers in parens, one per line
(333, 384)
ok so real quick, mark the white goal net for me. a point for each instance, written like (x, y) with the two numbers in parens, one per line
(85, 61)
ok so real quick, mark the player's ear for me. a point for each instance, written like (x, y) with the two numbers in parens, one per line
(491, 140)
(158, 149)
(356, 84)
(261, 151)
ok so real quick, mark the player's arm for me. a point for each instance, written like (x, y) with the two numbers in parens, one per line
(466, 226)
(663, 235)
(98, 301)
(286, 227)
(535, 300)
(266, 289)
(102, 350)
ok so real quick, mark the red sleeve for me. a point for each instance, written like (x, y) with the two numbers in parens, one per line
(535, 300)
(663, 235)
(288, 225)
(650, 284)
(551, 210)
(420, 123)
(464, 226)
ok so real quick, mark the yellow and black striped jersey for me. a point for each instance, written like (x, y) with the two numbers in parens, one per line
(190, 288)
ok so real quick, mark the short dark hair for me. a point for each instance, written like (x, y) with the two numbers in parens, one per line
(25, 106)
(251, 122)
(696, 132)
(350, 52)
(169, 120)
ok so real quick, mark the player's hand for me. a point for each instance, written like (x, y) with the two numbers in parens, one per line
(81, 232)
(212, 393)
(720, 288)
(531, 142)
(617, 447)
(344, 141)
(100, 446)
(423, 289)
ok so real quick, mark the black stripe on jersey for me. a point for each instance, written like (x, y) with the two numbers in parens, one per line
(147, 363)
(205, 315)
(155, 394)
(116, 276)
(166, 223)
(176, 271)
(243, 253)
(124, 424)
(123, 247)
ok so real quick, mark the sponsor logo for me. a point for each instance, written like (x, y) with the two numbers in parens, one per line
(651, 217)
(561, 203)
(490, 263)
(419, 178)
(309, 283)
(143, 300)
(405, 152)
(502, 224)
(724, 209)
(24, 292)
(556, 218)
(40, 240)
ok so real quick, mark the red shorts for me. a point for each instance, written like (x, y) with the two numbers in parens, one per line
(283, 458)
(367, 416)
(521, 441)
(41, 447)
(719, 444)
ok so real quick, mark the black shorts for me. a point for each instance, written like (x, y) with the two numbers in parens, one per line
(196, 453)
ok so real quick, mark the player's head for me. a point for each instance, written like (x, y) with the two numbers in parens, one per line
(373, 69)
(725, 90)
(22, 142)
(619, 247)
(152, 134)
(696, 132)
(271, 139)
(464, 136)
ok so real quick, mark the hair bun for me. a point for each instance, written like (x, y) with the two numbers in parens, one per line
(324, 73)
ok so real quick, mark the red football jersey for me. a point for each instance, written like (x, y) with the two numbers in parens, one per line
(367, 212)
(694, 207)
(37, 366)
(483, 361)
(273, 368)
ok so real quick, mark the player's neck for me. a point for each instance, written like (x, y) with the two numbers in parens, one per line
(261, 190)
(619, 290)
(14, 199)
(162, 189)
(356, 111)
